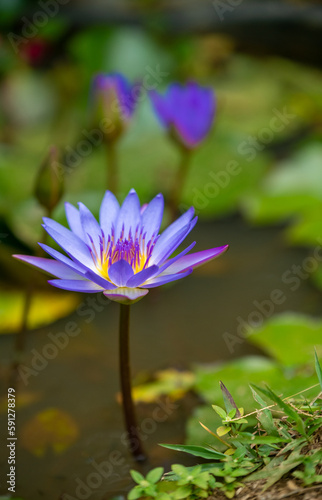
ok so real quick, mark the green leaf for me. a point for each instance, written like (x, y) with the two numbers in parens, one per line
(220, 412)
(163, 496)
(136, 476)
(232, 413)
(229, 400)
(318, 368)
(251, 439)
(202, 480)
(197, 451)
(276, 469)
(136, 492)
(155, 475)
(179, 470)
(286, 408)
(182, 492)
(222, 430)
(265, 417)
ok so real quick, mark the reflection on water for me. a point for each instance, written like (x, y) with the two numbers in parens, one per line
(177, 326)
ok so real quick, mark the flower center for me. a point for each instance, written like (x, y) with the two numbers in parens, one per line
(133, 249)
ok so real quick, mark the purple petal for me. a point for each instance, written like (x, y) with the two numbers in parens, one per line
(129, 215)
(152, 216)
(196, 259)
(161, 108)
(117, 86)
(120, 272)
(90, 227)
(162, 280)
(78, 268)
(195, 113)
(142, 276)
(177, 257)
(73, 220)
(69, 242)
(108, 212)
(99, 280)
(169, 245)
(77, 285)
(50, 266)
(168, 233)
(126, 295)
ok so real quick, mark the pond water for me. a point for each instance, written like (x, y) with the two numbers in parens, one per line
(172, 327)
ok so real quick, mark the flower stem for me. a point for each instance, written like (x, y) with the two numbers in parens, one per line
(112, 174)
(125, 376)
(180, 179)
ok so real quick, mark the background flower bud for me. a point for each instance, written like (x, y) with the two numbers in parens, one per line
(49, 185)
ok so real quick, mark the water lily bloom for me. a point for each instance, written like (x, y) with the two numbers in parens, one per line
(123, 255)
(187, 110)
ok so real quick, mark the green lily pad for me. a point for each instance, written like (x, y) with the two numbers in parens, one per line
(290, 338)
(292, 188)
(308, 229)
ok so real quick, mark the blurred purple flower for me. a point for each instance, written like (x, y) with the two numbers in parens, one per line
(188, 110)
(123, 255)
(113, 97)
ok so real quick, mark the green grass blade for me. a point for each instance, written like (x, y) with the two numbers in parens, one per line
(285, 407)
(265, 417)
(318, 368)
(197, 451)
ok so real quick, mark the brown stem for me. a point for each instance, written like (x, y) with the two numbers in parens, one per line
(134, 439)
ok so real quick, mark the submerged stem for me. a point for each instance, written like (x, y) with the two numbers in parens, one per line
(135, 444)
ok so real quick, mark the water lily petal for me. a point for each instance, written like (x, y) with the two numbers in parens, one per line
(50, 266)
(168, 233)
(201, 111)
(161, 108)
(142, 276)
(169, 245)
(152, 216)
(195, 259)
(99, 280)
(177, 257)
(129, 215)
(73, 219)
(162, 280)
(69, 242)
(126, 295)
(108, 212)
(91, 227)
(77, 285)
(79, 268)
(120, 272)
(188, 109)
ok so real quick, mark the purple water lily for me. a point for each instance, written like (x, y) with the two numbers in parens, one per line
(115, 94)
(123, 256)
(188, 110)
